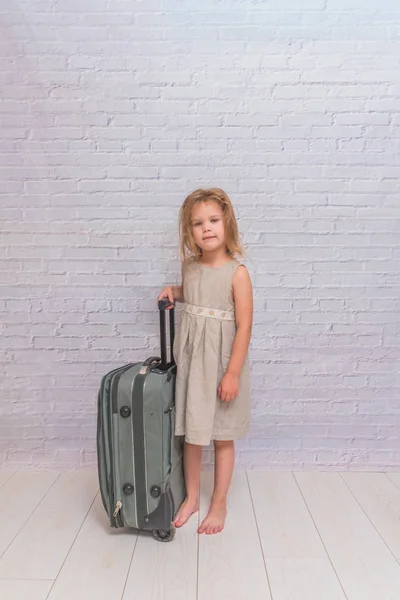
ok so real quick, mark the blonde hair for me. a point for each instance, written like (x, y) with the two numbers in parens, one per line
(188, 247)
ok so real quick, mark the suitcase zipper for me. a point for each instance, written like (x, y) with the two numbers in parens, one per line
(118, 507)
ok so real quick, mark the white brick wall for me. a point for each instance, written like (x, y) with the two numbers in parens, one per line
(110, 113)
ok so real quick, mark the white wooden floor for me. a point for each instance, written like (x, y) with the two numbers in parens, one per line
(289, 536)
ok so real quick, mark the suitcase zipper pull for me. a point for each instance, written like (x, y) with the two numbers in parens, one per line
(118, 507)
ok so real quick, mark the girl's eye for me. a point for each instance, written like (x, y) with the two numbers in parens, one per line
(196, 224)
(214, 220)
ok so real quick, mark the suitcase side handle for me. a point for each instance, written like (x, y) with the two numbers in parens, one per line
(164, 305)
(149, 361)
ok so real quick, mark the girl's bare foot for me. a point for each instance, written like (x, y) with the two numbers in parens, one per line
(215, 520)
(185, 512)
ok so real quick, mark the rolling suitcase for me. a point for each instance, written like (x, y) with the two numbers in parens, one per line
(140, 460)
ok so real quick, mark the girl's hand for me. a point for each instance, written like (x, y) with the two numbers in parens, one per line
(167, 293)
(228, 389)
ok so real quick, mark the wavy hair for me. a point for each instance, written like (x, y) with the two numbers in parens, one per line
(188, 247)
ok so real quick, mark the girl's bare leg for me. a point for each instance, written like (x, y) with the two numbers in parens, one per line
(224, 463)
(192, 464)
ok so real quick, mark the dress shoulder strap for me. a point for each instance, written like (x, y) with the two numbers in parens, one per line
(236, 264)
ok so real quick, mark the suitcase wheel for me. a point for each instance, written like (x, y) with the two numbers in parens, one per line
(164, 535)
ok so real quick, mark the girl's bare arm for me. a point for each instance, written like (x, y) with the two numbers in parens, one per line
(173, 292)
(243, 297)
(178, 290)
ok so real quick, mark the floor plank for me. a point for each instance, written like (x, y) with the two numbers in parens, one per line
(97, 564)
(231, 563)
(43, 532)
(40, 548)
(303, 579)
(394, 478)
(14, 589)
(285, 526)
(297, 564)
(173, 566)
(5, 475)
(365, 566)
(19, 497)
(380, 499)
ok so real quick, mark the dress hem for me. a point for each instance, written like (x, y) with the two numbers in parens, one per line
(219, 437)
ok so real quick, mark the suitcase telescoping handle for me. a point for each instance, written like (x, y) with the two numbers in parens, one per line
(162, 306)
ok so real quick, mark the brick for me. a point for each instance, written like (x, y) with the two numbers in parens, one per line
(99, 147)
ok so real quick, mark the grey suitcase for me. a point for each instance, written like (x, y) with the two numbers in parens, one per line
(140, 460)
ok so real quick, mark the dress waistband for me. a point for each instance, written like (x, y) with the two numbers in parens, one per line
(214, 313)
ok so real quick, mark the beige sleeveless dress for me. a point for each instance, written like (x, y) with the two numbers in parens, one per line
(202, 350)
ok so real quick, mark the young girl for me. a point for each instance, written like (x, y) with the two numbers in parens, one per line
(210, 348)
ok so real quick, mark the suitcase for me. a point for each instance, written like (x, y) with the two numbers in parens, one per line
(140, 460)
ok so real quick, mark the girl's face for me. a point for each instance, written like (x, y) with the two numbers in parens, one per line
(208, 226)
